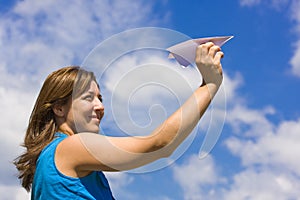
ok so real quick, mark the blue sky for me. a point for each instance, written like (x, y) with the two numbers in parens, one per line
(256, 154)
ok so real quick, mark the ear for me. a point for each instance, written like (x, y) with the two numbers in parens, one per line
(59, 110)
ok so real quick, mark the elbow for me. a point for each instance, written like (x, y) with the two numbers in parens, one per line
(165, 139)
(165, 150)
(160, 149)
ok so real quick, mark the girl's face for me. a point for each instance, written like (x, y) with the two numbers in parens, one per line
(86, 111)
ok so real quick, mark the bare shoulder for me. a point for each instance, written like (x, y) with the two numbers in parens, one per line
(73, 159)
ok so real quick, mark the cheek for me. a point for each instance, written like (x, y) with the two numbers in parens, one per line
(82, 110)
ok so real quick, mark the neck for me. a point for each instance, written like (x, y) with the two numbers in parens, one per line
(65, 129)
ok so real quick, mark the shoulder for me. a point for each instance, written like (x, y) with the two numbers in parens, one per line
(67, 154)
(73, 159)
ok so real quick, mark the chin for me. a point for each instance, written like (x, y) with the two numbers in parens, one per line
(96, 130)
(90, 130)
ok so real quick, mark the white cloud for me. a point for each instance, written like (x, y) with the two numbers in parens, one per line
(273, 149)
(248, 121)
(49, 34)
(295, 60)
(14, 106)
(262, 185)
(144, 93)
(197, 177)
(119, 181)
(38, 37)
(268, 154)
(13, 192)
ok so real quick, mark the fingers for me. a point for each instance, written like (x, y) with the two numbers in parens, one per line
(209, 53)
(205, 48)
(211, 50)
(218, 56)
(208, 60)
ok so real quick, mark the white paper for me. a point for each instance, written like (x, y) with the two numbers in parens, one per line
(185, 52)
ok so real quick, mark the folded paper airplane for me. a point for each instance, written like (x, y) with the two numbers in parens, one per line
(185, 52)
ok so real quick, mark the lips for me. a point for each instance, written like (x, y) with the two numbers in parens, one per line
(97, 116)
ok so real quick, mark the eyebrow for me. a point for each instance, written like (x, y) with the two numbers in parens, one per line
(91, 92)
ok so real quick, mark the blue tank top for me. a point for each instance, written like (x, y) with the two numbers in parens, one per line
(49, 183)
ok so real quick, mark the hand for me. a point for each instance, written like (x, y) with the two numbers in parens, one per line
(208, 60)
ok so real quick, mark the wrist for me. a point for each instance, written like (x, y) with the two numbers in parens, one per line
(211, 87)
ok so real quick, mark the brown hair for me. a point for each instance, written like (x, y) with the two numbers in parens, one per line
(58, 88)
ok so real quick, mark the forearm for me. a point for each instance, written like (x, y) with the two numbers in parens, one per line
(181, 123)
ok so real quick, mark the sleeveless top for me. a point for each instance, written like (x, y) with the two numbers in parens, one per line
(50, 183)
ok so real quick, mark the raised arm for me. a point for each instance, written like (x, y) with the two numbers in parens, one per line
(88, 151)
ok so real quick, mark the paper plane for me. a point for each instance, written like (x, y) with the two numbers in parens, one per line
(185, 52)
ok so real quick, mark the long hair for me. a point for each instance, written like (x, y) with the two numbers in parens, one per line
(58, 88)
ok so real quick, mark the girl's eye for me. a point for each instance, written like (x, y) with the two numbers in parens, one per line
(100, 98)
(89, 98)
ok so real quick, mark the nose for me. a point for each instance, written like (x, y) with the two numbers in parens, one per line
(98, 105)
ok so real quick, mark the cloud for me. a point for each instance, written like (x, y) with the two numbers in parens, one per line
(13, 192)
(295, 60)
(268, 155)
(52, 34)
(119, 181)
(267, 151)
(38, 37)
(144, 90)
(197, 177)
(272, 149)
(262, 185)
(248, 121)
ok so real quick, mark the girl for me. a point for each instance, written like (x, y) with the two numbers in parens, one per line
(64, 159)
